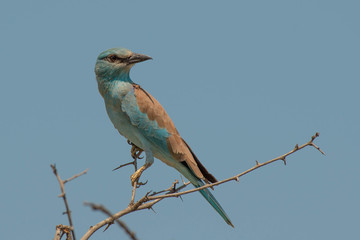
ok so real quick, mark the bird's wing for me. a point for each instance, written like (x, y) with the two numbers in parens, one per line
(147, 114)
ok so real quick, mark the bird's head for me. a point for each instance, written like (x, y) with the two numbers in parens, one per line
(115, 63)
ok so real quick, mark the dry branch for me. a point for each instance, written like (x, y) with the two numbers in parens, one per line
(63, 196)
(120, 223)
(236, 177)
(147, 201)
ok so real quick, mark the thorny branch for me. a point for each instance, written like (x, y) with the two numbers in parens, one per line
(63, 229)
(107, 212)
(139, 205)
(147, 201)
(236, 177)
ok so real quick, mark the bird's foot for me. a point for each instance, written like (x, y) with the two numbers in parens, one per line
(137, 175)
(135, 151)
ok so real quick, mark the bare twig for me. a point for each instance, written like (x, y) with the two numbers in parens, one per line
(148, 201)
(76, 176)
(172, 188)
(135, 157)
(107, 212)
(135, 154)
(133, 192)
(236, 177)
(63, 195)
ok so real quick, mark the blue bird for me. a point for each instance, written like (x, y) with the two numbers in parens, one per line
(141, 119)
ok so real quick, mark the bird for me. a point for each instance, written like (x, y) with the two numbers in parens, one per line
(141, 119)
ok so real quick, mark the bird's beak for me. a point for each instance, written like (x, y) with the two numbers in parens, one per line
(136, 58)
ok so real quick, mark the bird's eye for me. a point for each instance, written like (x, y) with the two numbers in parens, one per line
(112, 58)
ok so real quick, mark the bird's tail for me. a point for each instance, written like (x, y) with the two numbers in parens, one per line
(185, 170)
(214, 203)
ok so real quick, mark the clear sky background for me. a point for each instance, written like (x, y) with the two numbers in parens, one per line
(242, 81)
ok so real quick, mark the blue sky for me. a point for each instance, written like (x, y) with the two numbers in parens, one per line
(242, 81)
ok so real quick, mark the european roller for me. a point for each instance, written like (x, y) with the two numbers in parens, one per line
(141, 119)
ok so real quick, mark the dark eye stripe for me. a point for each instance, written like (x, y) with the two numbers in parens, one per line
(114, 58)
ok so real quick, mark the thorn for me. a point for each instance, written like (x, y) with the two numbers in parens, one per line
(237, 178)
(312, 144)
(181, 198)
(109, 224)
(152, 209)
(147, 194)
(182, 180)
(257, 163)
(284, 160)
(123, 165)
(153, 193)
(296, 147)
(116, 168)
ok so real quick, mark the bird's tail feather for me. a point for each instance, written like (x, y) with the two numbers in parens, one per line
(215, 204)
(185, 170)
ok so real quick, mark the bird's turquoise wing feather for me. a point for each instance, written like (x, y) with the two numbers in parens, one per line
(149, 128)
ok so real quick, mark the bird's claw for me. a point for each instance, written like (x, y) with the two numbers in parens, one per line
(135, 151)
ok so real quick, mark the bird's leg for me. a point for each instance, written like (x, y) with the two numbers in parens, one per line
(148, 162)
